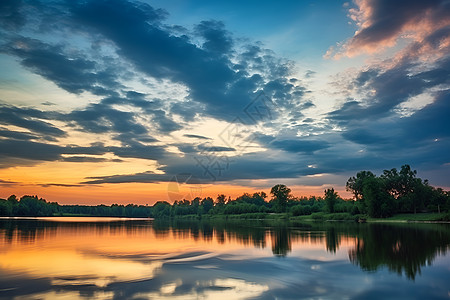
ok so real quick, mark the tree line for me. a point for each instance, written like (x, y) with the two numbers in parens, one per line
(376, 196)
(396, 192)
(32, 206)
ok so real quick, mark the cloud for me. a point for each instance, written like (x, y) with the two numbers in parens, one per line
(419, 139)
(73, 73)
(60, 185)
(31, 119)
(206, 70)
(382, 23)
(384, 90)
(195, 136)
(310, 73)
(17, 135)
(211, 148)
(300, 145)
(217, 39)
(10, 15)
(144, 177)
(93, 149)
(28, 150)
(89, 159)
(7, 182)
(126, 58)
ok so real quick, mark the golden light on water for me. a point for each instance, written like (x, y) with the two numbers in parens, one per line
(83, 252)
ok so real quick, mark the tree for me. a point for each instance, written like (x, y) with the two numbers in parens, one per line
(281, 194)
(161, 209)
(379, 202)
(355, 184)
(221, 200)
(331, 198)
(259, 198)
(408, 191)
(400, 184)
(207, 204)
(5, 208)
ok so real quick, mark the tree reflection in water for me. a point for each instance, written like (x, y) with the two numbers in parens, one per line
(401, 248)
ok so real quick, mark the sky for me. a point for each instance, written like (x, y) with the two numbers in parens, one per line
(117, 101)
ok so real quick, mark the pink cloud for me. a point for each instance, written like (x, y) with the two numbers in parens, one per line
(424, 26)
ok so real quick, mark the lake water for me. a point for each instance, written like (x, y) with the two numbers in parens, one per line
(98, 258)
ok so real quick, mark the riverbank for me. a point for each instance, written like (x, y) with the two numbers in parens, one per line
(325, 217)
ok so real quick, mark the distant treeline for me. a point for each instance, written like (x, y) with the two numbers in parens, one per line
(376, 196)
(32, 206)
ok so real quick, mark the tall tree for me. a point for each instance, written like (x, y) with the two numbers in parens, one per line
(281, 194)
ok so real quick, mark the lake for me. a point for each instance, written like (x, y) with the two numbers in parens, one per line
(108, 258)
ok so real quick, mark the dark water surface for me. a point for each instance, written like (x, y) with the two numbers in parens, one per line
(84, 258)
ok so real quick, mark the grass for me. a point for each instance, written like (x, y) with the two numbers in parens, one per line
(325, 217)
(419, 217)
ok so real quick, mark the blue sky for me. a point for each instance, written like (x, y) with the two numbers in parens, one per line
(238, 95)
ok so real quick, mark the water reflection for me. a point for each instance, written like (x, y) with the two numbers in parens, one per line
(130, 259)
(402, 249)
